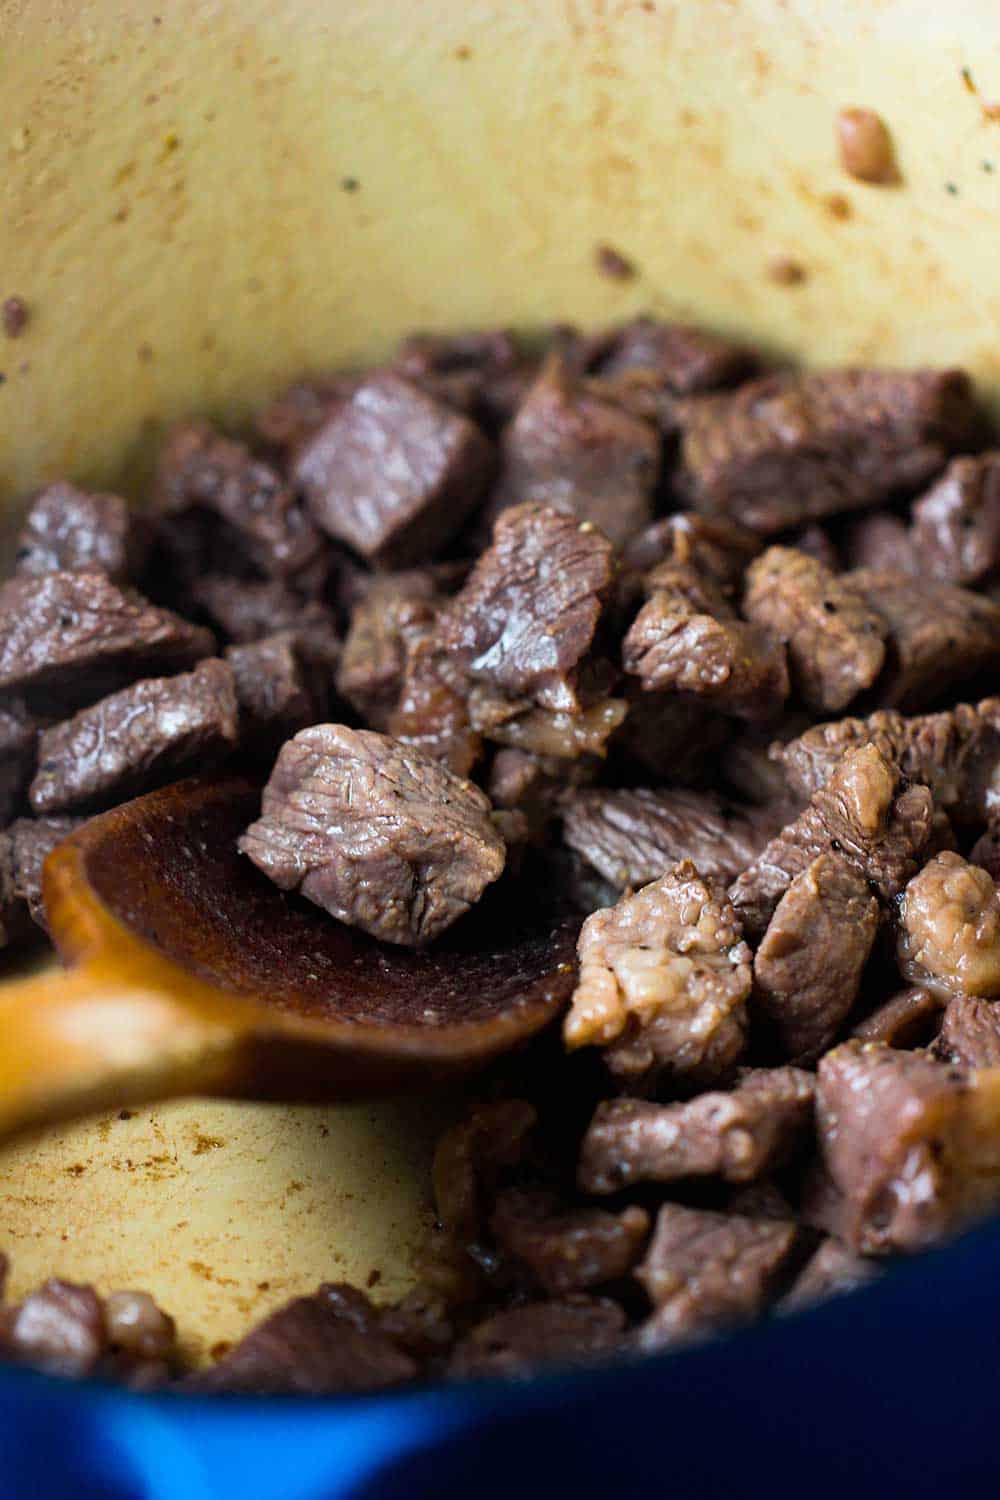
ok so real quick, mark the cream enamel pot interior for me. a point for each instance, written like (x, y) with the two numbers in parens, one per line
(200, 199)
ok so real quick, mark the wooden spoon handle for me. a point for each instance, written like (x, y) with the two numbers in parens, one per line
(84, 1040)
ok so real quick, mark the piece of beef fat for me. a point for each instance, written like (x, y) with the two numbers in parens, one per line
(908, 1019)
(949, 928)
(75, 530)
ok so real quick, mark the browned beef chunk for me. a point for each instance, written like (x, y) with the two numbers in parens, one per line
(567, 1249)
(956, 525)
(970, 1033)
(200, 470)
(807, 970)
(418, 1323)
(136, 739)
(861, 813)
(534, 786)
(788, 449)
(276, 690)
(430, 715)
(833, 1270)
(817, 544)
(956, 754)
(910, 1143)
(481, 372)
(759, 1200)
(578, 453)
(716, 548)
(249, 611)
(708, 1270)
(76, 531)
(633, 837)
(664, 979)
(986, 850)
(469, 1155)
(687, 639)
(71, 637)
(949, 928)
(398, 610)
(293, 416)
(834, 640)
(938, 635)
(32, 840)
(310, 1347)
(18, 740)
(142, 1340)
(906, 1020)
(880, 540)
(394, 473)
(684, 359)
(517, 1342)
(377, 833)
(59, 1329)
(737, 1136)
(558, 735)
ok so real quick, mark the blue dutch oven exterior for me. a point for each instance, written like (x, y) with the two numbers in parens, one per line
(893, 1391)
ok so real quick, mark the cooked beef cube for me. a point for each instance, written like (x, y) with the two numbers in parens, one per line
(15, 926)
(276, 691)
(137, 739)
(394, 473)
(706, 1270)
(515, 1343)
(375, 832)
(759, 1200)
(534, 786)
(468, 1157)
(142, 1341)
(246, 612)
(938, 635)
(308, 1348)
(567, 1249)
(556, 735)
(59, 1329)
(807, 970)
(817, 544)
(906, 1020)
(480, 372)
(986, 850)
(418, 1323)
(714, 547)
(834, 640)
(956, 525)
(688, 640)
(71, 637)
(833, 1270)
(686, 360)
(737, 1136)
(18, 741)
(956, 754)
(949, 928)
(199, 469)
(635, 837)
(76, 531)
(575, 452)
(880, 540)
(861, 813)
(910, 1143)
(788, 449)
(292, 418)
(664, 979)
(32, 840)
(970, 1033)
(431, 716)
(398, 610)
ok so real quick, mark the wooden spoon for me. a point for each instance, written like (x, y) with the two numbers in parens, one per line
(192, 973)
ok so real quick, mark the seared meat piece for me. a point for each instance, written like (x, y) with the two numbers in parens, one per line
(687, 639)
(59, 1329)
(949, 928)
(200, 470)
(578, 453)
(310, 1347)
(393, 473)
(567, 1249)
(376, 832)
(970, 1033)
(515, 1343)
(398, 610)
(469, 1156)
(14, 925)
(72, 637)
(907, 1020)
(807, 970)
(635, 837)
(861, 813)
(76, 531)
(938, 635)
(832, 1270)
(956, 754)
(18, 740)
(277, 691)
(250, 612)
(685, 360)
(956, 525)
(291, 418)
(136, 739)
(737, 1136)
(32, 840)
(910, 1143)
(834, 640)
(881, 540)
(715, 548)
(817, 544)
(706, 1270)
(986, 850)
(430, 715)
(664, 979)
(480, 372)
(789, 449)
